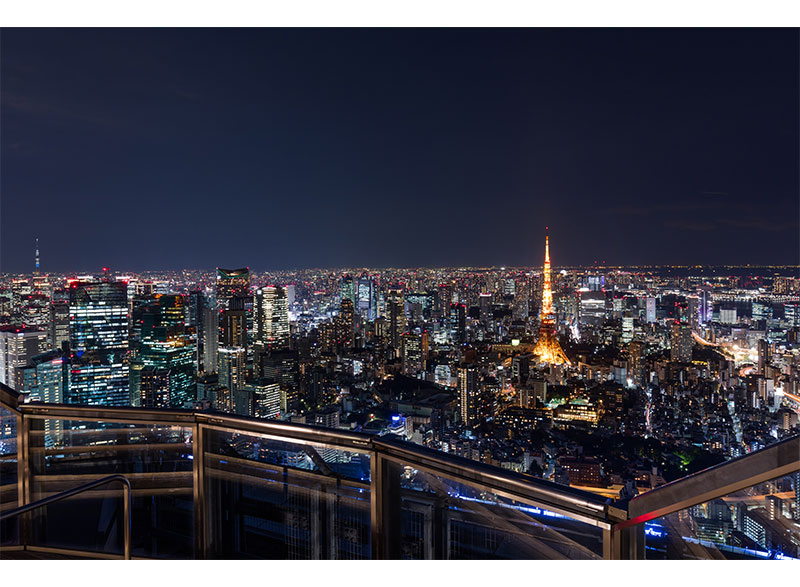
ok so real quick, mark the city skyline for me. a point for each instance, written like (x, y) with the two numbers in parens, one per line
(400, 293)
(339, 144)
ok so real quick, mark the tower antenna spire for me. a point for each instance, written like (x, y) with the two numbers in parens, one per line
(37, 255)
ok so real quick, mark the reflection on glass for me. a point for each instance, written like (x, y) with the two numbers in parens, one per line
(270, 499)
(157, 460)
(442, 518)
(8, 473)
(760, 522)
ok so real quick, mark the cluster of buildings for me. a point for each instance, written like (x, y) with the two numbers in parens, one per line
(609, 378)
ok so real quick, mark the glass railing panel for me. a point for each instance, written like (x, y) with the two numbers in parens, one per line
(443, 518)
(9, 496)
(157, 460)
(760, 522)
(274, 499)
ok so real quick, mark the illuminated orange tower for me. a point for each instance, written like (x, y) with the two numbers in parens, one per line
(548, 347)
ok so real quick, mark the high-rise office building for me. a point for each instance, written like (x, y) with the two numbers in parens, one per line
(210, 337)
(728, 316)
(485, 307)
(468, 394)
(412, 354)
(680, 342)
(98, 315)
(232, 364)
(232, 283)
(196, 303)
(348, 289)
(458, 323)
(272, 317)
(396, 318)
(99, 343)
(233, 324)
(46, 380)
(346, 324)
(45, 377)
(366, 301)
(59, 319)
(166, 351)
(18, 345)
(266, 397)
(627, 329)
(706, 304)
(154, 387)
(650, 310)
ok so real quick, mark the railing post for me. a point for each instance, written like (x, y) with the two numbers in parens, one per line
(25, 479)
(624, 543)
(375, 492)
(386, 509)
(198, 481)
(126, 519)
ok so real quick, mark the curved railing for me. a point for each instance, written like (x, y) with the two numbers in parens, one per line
(215, 485)
(44, 502)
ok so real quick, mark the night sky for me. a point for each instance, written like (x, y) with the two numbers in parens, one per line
(277, 149)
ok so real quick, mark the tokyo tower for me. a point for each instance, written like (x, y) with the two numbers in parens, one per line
(548, 347)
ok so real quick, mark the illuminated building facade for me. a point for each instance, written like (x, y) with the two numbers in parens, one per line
(272, 317)
(18, 345)
(576, 412)
(59, 321)
(412, 354)
(99, 343)
(396, 317)
(232, 283)
(680, 342)
(232, 363)
(367, 303)
(468, 394)
(166, 352)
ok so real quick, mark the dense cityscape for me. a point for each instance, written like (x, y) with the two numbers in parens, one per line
(447, 293)
(611, 379)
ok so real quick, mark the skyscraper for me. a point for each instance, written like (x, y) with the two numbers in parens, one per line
(272, 317)
(366, 302)
(232, 365)
(154, 387)
(396, 317)
(266, 398)
(18, 345)
(59, 319)
(232, 283)
(233, 324)
(99, 343)
(412, 354)
(210, 337)
(347, 289)
(468, 394)
(458, 323)
(650, 310)
(680, 342)
(45, 380)
(346, 323)
(195, 314)
(547, 347)
(166, 352)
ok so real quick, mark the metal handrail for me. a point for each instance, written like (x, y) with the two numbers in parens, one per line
(126, 508)
(578, 503)
(776, 460)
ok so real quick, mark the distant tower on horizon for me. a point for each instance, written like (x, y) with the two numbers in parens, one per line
(37, 256)
(548, 347)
